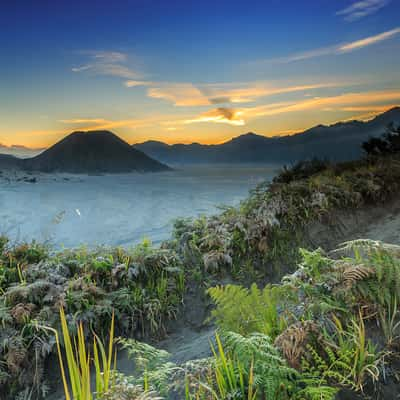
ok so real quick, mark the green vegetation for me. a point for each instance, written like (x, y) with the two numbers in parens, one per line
(143, 287)
(251, 310)
(324, 345)
(79, 362)
(333, 323)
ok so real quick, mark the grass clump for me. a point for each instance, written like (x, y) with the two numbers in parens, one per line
(80, 362)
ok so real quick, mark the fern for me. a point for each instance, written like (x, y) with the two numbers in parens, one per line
(384, 284)
(272, 376)
(153, 364)
(347, 358)
(314, 390)
(246, 311)
(125, 388)
(314, 263)
(293, 340)
(362, 247)
(319, 372)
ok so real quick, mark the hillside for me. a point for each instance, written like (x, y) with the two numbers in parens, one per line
(340, 141)
(88, 152)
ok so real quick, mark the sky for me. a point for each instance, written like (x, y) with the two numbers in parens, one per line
(193, 71)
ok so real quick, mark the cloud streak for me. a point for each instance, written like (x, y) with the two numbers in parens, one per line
(191, 95)
(181, 94)
(335, 49)
(372, 102)
(90, 124)
(371, 99)
(361, 9)
(134, 83)
(359, 44)
(80, 121)
(108, 63)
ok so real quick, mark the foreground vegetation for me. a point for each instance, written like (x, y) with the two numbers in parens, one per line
(305, 338)
(332, 325)
(143, 287)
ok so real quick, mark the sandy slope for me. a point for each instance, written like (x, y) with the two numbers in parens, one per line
(376, 223)
(385, 227)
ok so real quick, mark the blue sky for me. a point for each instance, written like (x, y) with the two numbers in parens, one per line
(183, 71)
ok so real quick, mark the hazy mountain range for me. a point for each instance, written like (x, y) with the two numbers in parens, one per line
(87, 152)
(105, 152)
(340, 141)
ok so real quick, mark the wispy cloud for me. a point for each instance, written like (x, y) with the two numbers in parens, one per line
(112, 63)
(371, 99)
(368, 108)
(181, 94)
(221, 115)
(358, 44)
(371, 102)
(82, 68)
(361, 9)
(80, 121)
(334, 49)
(249, 92)
(109, 124)
(90, 124)
(188, 94)
(109, 56)
(134, 83)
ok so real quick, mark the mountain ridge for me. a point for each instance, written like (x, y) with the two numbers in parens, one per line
(105, 152)
(339, 141)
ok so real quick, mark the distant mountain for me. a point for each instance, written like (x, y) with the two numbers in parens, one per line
(88, 152)
(340, 141)
(93, 152)
(19, 151)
